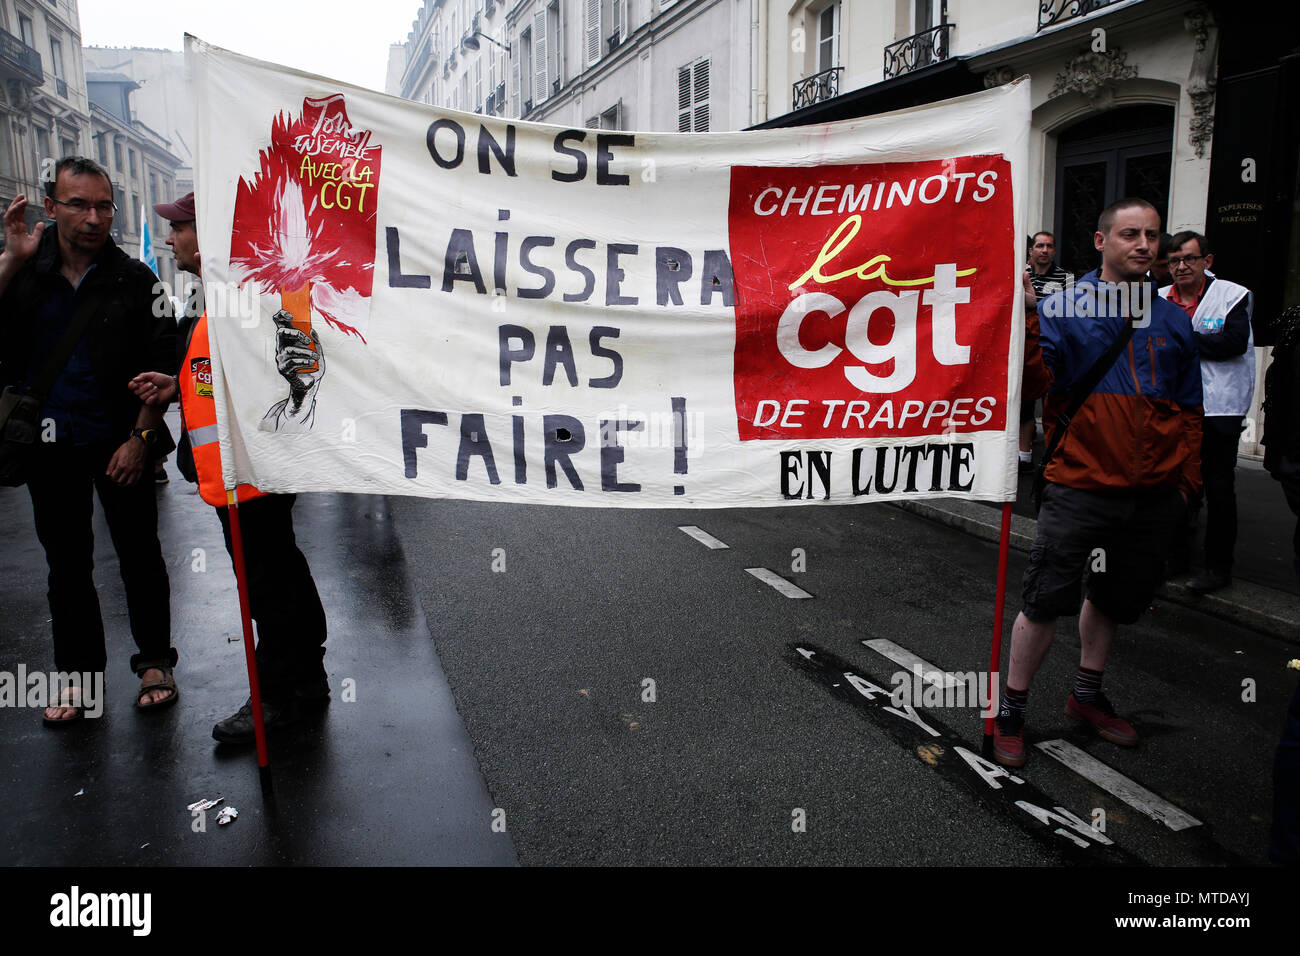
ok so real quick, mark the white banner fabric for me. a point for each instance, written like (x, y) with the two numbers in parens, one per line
(409, 300)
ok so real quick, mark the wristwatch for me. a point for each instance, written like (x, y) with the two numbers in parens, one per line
(147, 435)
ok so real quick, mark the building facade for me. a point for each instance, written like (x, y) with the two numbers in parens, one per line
(610, 64)
(140, 164)
(161, 100)
(44, 110)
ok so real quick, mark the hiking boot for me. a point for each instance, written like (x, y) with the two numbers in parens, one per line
(1209, 580)
(1009, 740)
(238, 727)
(1102, 716)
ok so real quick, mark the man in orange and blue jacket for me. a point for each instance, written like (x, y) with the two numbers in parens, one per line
(1121, 478)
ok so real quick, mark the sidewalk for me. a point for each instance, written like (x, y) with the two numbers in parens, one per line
(1264, 594)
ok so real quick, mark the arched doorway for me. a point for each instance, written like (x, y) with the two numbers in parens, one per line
(1122, 152)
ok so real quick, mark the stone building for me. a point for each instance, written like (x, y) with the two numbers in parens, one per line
(44, 111)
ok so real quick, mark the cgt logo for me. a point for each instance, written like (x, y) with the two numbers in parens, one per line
(899, 351)
(873, 300)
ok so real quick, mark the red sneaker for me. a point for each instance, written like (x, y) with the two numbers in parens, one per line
(1102, 716)
(1009, 741)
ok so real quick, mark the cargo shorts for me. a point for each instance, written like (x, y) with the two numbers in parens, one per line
(1119, 541)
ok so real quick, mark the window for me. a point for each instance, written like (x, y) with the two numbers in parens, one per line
(828, 38)
(555, 46)
(926, 15)
(693, 97)
(603, 28)
(56, 58)
(42, 145)
(6, 148)
(117, 154)
(69, 147)
(612, 118)
(130, 155)
(617, 25)
(478, 82)
(26, 32)
(102, 150)
(135, 213)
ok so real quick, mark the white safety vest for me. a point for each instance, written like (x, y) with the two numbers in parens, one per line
(1228, 384)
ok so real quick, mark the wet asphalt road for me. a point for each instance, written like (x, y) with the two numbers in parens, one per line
(569, 686)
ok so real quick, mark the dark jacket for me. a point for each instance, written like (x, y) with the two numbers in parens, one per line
(131, 331)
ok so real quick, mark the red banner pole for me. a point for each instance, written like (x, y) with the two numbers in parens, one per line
(999, 606)
(241, 580)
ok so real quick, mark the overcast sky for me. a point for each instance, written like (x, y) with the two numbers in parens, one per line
(341, 40)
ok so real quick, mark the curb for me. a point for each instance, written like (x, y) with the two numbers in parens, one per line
(1255, 606)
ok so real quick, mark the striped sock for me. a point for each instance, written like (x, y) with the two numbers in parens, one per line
(1087, 685)
(1014, 703)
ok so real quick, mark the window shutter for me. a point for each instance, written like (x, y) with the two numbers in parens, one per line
(542, 87)
(516, 93)
(478, 83)
(701, 99)
(684, 100)
(592, 31)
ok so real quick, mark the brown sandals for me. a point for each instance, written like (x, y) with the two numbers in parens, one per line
(166, 682)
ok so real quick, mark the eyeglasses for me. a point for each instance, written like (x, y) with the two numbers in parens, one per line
(82, 208)
(1176, 261)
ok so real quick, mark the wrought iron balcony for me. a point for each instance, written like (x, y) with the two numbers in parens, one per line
(17, 56)
(501, 94)
(818, 87)
(1052, 12)
(917, 51)
(492, 102)
(614, 40)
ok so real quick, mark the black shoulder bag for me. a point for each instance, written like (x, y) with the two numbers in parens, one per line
(20, 409)
(1078, 395)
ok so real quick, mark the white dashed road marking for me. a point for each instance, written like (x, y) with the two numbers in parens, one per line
(909, 661)
(778, 582)
(1114, 782)
(703, 537)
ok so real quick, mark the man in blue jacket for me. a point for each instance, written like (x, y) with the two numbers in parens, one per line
(1121, 477)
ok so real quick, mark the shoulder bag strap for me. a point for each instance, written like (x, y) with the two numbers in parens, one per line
(1078, 395)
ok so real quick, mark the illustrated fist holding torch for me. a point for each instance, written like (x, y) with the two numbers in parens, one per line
(301, 361)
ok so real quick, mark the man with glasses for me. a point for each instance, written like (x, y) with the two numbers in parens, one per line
(95, 432)
(1220, 312)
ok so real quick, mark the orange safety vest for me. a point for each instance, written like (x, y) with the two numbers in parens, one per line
(200, 413)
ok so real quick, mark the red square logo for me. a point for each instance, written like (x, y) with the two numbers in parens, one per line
(872, 300)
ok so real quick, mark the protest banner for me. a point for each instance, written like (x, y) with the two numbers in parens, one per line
(497, 310)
